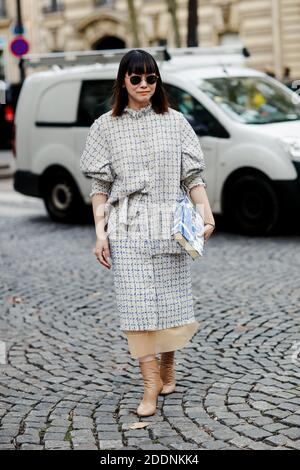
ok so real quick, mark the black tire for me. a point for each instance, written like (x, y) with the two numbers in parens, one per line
(251, 205)
(62, 198)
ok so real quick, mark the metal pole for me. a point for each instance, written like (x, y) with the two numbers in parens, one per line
(19, 16)
(19, 27)
(192, 37)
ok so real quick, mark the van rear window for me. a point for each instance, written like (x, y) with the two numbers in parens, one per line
(94, 100)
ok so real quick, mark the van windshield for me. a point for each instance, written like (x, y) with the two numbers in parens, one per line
(252, 100)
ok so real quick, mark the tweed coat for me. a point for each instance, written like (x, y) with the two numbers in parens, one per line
(142, 161)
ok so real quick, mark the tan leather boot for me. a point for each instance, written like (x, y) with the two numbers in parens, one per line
(152, 386)
(167, 372)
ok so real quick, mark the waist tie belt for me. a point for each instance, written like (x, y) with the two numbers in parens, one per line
(130, 202)
(127, 212)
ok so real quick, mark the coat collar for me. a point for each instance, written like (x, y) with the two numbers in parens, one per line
(138, 112)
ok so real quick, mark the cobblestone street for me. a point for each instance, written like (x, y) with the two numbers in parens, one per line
(67, 379)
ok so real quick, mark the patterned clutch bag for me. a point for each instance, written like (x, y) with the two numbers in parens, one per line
(188, 227)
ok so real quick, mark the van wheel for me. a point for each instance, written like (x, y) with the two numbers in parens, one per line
(251, 206)
(62, 199)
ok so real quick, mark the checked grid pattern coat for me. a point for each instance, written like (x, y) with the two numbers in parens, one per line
(140, 160)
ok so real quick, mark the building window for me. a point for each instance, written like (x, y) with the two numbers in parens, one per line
(52, 6)
(2, 8)
(104, 3)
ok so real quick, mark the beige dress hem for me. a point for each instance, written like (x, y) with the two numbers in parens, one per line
(142, 343)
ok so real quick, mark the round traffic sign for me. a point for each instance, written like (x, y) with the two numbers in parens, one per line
(19, 46)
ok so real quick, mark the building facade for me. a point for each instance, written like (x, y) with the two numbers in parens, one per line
(268, 28)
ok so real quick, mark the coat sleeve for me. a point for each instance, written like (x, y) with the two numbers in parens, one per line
(95, 162)
(192, 158)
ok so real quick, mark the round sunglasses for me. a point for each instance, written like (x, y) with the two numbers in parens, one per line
(150, 79)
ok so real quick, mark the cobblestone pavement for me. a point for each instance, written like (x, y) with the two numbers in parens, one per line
(69, 381)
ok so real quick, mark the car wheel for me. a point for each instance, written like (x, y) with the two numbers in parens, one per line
(251, 206)
(62, 199)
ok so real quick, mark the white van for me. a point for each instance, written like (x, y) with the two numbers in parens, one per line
(248, 125)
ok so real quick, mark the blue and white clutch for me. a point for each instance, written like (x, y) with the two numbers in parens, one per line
(188, 226)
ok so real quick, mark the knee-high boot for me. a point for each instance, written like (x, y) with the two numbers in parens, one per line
(167, 372)
(153, 384)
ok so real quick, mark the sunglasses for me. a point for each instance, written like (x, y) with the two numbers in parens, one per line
(150, 79)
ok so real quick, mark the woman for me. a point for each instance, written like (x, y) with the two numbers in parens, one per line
(137, 155)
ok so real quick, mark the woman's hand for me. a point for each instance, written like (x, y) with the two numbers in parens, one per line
(208, 230)
(199, 198)
(102, 253)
